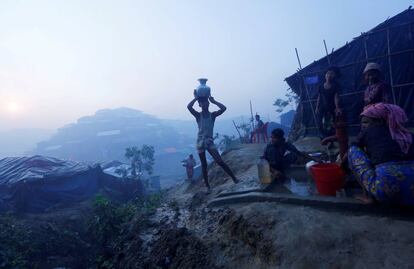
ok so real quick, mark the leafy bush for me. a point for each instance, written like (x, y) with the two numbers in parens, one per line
(107, 219)
(16, 244)
(110, 231)
(109, 223)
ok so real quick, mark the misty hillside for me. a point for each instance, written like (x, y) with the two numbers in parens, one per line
(105, 135)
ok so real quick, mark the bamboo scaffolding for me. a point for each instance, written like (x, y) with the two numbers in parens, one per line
(390, 67)
(388, 57)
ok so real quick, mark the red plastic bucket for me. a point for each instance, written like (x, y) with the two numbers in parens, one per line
(329, 177)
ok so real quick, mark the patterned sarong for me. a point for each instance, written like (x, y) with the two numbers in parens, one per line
(391, 182)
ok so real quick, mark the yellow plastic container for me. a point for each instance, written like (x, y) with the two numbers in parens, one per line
(263, 170)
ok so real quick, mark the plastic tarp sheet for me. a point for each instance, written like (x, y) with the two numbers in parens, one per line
(391, 44)
(17, 169)
(34, 184)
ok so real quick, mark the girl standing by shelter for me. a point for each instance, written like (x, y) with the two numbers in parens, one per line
(327, 105)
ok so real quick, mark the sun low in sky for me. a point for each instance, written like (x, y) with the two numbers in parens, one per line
(13, 107)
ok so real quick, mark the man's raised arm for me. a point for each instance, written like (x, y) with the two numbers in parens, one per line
(191, 109)
(222, 107)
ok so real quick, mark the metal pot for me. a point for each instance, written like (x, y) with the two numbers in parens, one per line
(202, 91)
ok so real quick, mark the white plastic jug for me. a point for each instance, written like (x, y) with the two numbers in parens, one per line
(263, 169)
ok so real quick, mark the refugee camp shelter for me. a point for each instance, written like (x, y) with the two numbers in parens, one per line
(390, 44)
(38, 183)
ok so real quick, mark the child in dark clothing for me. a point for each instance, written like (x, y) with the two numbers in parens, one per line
(280, 154)
(327, 105)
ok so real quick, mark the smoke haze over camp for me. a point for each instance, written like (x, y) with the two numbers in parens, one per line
(60, 60)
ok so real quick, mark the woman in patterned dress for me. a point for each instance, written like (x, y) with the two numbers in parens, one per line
(382, 159)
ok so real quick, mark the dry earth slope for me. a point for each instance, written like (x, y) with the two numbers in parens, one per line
(270, 235)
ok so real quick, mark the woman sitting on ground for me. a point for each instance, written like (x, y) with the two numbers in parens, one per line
(383, 157)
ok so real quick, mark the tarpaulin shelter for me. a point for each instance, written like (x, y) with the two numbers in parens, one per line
(34, 184)
(390, 44)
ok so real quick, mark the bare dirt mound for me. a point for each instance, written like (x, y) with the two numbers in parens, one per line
(242, 161)
(179, 248)
(273, 235)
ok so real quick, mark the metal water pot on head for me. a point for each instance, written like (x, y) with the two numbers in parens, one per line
(202, 91)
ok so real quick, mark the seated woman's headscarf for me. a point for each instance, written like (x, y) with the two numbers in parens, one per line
(395, 118)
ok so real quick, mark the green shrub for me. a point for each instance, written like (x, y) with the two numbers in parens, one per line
(16, 244)
(110, 222)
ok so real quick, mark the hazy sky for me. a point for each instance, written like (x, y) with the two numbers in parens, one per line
(62, 59)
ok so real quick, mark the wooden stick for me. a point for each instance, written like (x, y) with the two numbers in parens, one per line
(251, 114)
(327, 54)
(390, 67)
(297, 56)
(237, 129)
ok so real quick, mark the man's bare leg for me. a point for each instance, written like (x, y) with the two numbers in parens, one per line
(217, 158)
(203, 161)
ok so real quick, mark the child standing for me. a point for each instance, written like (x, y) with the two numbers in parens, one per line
(189, 164)
(327, 105)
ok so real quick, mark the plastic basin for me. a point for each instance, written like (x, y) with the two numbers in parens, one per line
(329, 178)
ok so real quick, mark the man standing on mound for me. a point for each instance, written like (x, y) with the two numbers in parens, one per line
(205, 142)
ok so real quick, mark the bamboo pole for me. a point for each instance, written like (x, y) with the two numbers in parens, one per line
(237, 129)
(311, 105)
(297, 56)
(327, 54)
(365, 48)
(390, 67)
(251, 114)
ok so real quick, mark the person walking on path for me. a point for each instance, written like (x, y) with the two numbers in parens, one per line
(189, 164)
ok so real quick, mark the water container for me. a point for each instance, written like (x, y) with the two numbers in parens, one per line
(263, 169)
(329, 178)
(203, 91)
(308, 166)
